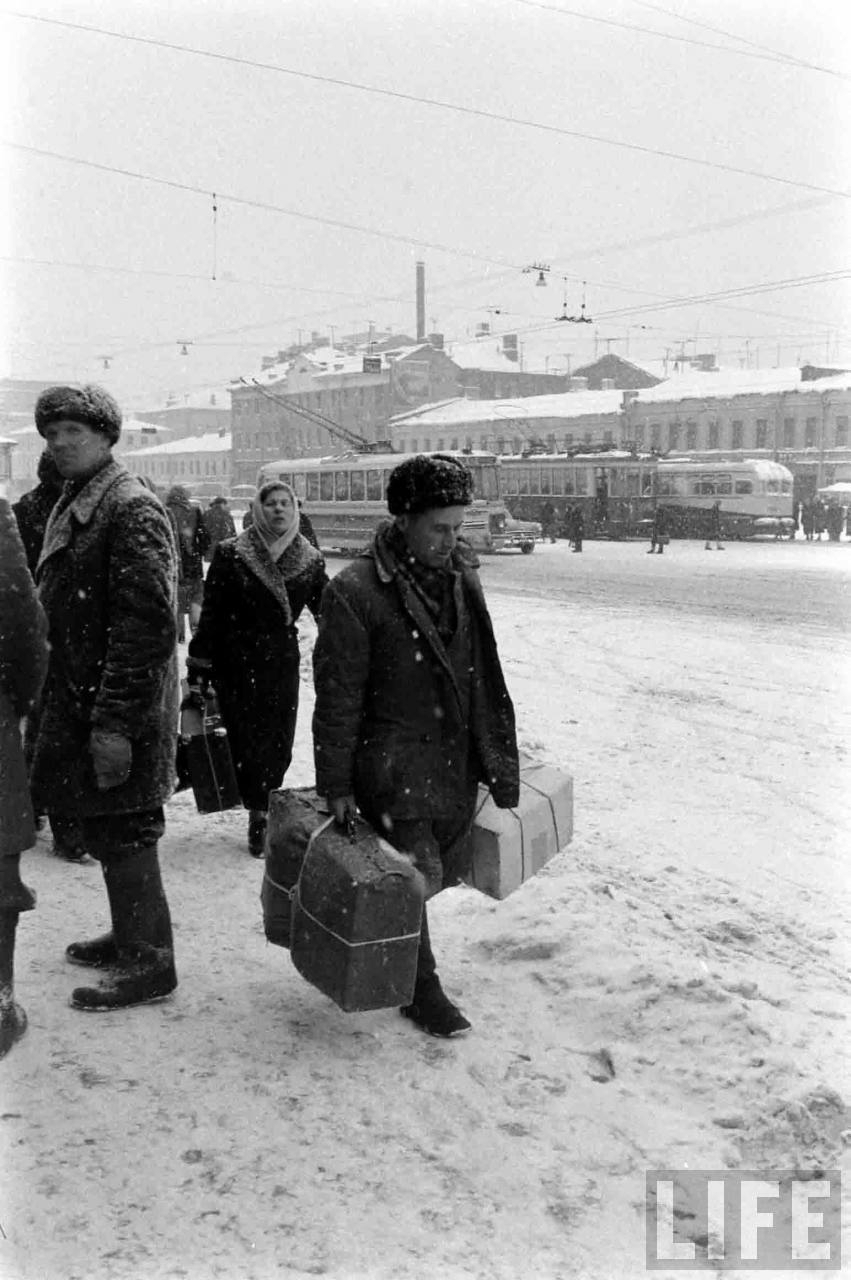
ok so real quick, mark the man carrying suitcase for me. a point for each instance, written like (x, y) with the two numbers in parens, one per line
(412, 711)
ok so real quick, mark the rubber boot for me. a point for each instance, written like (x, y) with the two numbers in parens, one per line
(431, 1009)
(100, 952)
(145, 970)
(13, 1019)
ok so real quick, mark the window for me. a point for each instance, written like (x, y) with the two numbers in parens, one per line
(638, 437)
(517, 444)
(608, 438)
(737, 435)
(551, 443)
(674, 435)
(744, 486)
(655, 435)
(440, 444)
(413, 445)
(341, 486)
(312, 486)
(691, 435)
(761, 439)
(772, 486)
(453, 444)
(810, 433)
(427, 444)
(523, 480)
(714, 435)
(373, 486)
(841, 432)
(788, 433)
(358, 486)
(326, 486)
(568, 443)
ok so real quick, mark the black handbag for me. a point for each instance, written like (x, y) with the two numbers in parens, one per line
(204, 760)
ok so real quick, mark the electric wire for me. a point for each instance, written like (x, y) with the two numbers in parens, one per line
(421, 100)
(666, 35)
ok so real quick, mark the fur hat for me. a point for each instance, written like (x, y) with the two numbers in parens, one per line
(90, 405)
(426, 481)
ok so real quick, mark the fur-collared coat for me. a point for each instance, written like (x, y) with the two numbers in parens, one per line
(247, 645)
(107, 580)
(23, 662)
(390, 716)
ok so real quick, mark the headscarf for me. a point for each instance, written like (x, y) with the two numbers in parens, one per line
(276, 544)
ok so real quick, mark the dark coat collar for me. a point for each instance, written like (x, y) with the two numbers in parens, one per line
(59, 529)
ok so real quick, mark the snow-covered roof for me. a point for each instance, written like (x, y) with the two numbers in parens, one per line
(694, 384)
(564, 404)
(836, 382)
(210, 442)
(199, 399)
(486, 353)
(127, 424)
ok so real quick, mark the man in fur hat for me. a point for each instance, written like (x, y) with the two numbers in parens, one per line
(412, 711)
(106, 737)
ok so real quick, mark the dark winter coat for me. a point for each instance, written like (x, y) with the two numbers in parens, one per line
(23, 662)
(247, 644)
(218, 525)
(189, 531)
(390, 711)
(32, 512)
(107, 581)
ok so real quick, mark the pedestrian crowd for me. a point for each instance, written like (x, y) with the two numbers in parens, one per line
(98, 581)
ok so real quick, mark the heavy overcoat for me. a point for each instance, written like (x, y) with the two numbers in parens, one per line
(23, 662)
(247, 644)
(388, 706)
(107, 579)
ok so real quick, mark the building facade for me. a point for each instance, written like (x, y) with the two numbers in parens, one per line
(201, 463)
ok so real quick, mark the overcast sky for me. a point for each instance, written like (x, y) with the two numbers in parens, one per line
(328, 193)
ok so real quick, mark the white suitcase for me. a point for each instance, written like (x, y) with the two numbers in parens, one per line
(510, 845)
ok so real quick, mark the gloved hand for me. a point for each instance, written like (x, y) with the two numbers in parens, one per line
(112, 758)
(345, 812)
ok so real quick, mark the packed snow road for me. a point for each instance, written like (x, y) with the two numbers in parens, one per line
(672, 991)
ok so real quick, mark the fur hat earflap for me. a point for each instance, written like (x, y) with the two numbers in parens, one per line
(426, 481)
(91, 405)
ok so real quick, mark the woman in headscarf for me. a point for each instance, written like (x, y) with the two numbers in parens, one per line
(246, 644)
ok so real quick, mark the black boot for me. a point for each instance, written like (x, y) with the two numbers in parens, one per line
(431, 1008)
(141, 926)
(257, 820)
(99, 953)
(13, 1019)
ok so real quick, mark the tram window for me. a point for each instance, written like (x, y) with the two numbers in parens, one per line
(312, 478)
(427, 445)
(523, 480)
(545, 486)
(569, 481)
(744, 486)
(414, 445)
(773, 486)
(646, 483)
(326, 486)
(724, 484)
(510, 481)
(341, 486)
(698, 485)
(373, 486)
(580, 482)
(358, 486)
(298, 484)
(786, 486)
(633, 483)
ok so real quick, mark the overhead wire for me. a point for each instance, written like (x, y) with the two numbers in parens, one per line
(422, 100)
(767, 56)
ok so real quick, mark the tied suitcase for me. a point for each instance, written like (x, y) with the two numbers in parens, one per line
(511, 845)
(294, 814)
(204, 758)
(357, 913)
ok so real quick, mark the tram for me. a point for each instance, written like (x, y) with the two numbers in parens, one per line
(618, 491)
(754, 496)
(614, 489)
(344, 495)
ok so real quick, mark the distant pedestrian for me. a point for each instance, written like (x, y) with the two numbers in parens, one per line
(807, 520)
(659, 534)
(548, 521)
(577, 528)
(191, 539)
(32, 510)
(218, 523)
(23, 662)
(714, 527)
(246, 644)
(834, 521)
(108, 727)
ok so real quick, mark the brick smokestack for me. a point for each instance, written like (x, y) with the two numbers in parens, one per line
(421, 325)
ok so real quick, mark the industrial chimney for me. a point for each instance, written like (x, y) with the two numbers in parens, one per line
(421, 326)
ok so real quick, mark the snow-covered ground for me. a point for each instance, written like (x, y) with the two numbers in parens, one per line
(693, 938)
